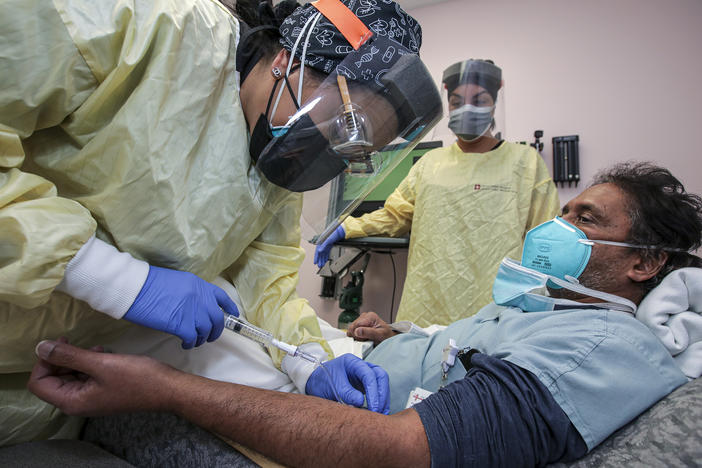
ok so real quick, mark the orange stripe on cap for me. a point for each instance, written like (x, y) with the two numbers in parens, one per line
(345, 21)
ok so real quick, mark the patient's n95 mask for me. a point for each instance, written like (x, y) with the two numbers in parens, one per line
(557, 248)
(553, 248)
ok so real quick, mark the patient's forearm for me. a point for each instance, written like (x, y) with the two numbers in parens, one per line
(300, 430)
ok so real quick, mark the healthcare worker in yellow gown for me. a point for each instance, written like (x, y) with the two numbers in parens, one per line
(127, 184)
(468, 205)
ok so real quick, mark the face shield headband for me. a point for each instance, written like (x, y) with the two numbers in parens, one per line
(472, 88)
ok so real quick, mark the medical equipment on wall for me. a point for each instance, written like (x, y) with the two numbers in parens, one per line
(343, 256)
(351, 296)
(566, 160)
(263, 337)
(538, 145)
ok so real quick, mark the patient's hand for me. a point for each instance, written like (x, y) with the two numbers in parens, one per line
(370, 327)
(90, 383)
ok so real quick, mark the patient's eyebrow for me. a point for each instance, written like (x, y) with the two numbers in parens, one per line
(583, 206)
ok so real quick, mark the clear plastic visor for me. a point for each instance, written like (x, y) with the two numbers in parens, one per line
(474, 106)
(364, 138)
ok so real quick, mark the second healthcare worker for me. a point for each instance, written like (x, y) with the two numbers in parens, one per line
(127, 184)
(467, 205)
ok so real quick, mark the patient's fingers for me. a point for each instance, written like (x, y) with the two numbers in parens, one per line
(367, 319)
(62, 354)
(374, 334)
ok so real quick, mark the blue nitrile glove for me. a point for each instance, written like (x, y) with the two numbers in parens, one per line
(321, 253)
(352, 377)
(182, 304)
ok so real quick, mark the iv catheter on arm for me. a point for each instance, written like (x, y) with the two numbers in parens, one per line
(265, 338)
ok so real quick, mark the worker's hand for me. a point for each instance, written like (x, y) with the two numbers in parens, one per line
(182, 304)
(370, 327)
(91, 383)
(321, 253)
(352, 377)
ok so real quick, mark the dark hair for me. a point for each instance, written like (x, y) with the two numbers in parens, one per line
(260, 33)
(661, 213)
(257, 13)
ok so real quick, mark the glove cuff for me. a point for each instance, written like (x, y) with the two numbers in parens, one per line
(107, 279)
(300, 370)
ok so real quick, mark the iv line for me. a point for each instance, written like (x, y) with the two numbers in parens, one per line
(266, 339)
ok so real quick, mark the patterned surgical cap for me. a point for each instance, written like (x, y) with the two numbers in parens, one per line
(327, 47)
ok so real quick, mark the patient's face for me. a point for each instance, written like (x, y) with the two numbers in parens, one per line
(601, 213)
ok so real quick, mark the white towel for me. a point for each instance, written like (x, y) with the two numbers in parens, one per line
(673, 312)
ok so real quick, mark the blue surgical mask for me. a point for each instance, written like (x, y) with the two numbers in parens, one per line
(279, 131)
(470, 122)
(525, 288)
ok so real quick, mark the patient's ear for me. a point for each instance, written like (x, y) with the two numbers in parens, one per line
(647, 266)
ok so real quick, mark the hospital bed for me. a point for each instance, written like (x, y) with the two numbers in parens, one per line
(667, 435)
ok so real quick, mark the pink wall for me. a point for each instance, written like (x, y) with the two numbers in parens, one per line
(625, 75)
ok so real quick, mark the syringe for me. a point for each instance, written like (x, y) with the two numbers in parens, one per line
(263, 337)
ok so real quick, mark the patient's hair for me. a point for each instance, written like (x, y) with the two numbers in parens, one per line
(662, 214)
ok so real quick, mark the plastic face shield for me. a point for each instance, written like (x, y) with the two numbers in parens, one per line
(473, 95)
(353, 137)
(347, 120)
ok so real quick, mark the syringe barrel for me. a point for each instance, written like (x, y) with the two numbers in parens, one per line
(244, 328)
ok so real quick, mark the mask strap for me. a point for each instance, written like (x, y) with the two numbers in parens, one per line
(290, 90)
(633, 246)
(292, 58)
(292, 94)
(612, 301)
(304, 52)
(270, 99)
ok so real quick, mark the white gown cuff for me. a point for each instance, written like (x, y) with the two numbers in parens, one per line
(107, 279)
(299, 370)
